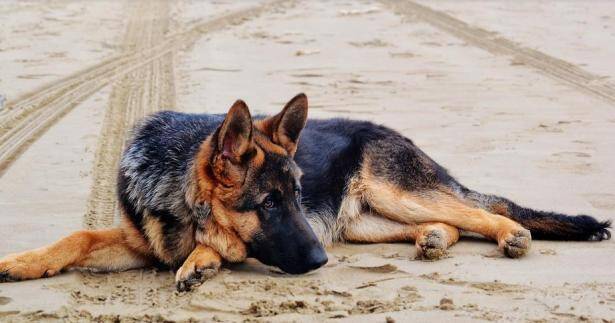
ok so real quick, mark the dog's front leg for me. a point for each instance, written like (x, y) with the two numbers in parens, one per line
(214, 243)
(203, 263)
(106, 250)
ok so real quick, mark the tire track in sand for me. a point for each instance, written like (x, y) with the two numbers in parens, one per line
(24, 120)
(488, 40)
(29, 6)
(145, 90)
(141, 92)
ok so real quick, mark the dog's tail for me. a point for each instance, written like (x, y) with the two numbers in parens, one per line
(543, 225)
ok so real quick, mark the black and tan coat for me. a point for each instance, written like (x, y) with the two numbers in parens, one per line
(197, 190)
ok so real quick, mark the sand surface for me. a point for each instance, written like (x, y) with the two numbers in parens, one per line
(513, 100)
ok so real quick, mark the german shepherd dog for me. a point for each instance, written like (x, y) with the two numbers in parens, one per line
(199, 189)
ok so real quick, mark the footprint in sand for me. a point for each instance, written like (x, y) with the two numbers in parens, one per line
(33, 76)
(571, 154)
(402, 55)
(603, 201)
(358, 12)
(481, 146)
(456, 108)
(305, 75)
(372, 43)
(556, 127)
(573, 162)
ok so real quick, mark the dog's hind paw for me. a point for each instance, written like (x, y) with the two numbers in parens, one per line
(432, 245)
(516, 244)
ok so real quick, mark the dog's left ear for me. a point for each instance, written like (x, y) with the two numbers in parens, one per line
(285, 127)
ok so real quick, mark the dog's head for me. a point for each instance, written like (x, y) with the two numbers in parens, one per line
(257, 189)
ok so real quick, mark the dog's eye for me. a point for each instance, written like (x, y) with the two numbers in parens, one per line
(297, 192)
(268, 203)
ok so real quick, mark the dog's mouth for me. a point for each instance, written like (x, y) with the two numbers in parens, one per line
(316, 258)
(298, 271)
(298, 264)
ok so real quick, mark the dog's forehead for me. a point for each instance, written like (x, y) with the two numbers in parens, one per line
(281, 167)
(288, 165)
(276, 173)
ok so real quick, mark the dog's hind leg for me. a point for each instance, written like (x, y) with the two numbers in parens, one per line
(431, 239)
(437, 205)
(104, 250)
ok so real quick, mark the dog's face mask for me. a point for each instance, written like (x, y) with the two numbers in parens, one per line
(286, 239)
(259, 195)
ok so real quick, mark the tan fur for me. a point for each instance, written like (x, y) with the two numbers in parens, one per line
(223, 240)
(431, 239)
(219, 182)
(227, 173)
(100, 249)
(373, 228)
(500, 208)
(352, 203)
(266, 126)
(258, 160)
(220, 185)
(372, 210)
(112, 258)
(288, 144)
(268, 145)
(205, 182)
(237, 128)
(186, 243)
(350, 209)
(193, 196)
(276, 128)
(246, 224)
(202, 258)
(451, 233)
(155, 236)
(133, 237)
(435, 206)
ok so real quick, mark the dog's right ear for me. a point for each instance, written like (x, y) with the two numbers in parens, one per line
(222, 158)
(235, 136)
(233, 142)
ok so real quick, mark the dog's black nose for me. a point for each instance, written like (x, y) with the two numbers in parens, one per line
(317, 258)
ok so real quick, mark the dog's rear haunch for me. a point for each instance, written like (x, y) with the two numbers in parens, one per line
(197, 190)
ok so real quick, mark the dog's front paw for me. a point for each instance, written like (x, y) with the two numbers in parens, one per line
(190, 275)
(27, 265)
(202, 264)
(516, 243)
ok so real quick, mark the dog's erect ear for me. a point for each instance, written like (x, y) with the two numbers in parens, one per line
(285, 127)
(234, 140)
(235, 136)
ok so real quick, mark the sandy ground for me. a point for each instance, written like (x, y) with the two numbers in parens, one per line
(527, 113)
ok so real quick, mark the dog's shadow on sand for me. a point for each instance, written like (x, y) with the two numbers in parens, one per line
(255, 269)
